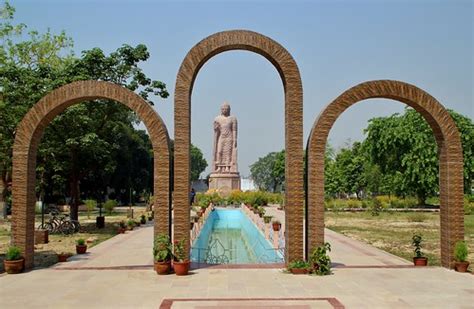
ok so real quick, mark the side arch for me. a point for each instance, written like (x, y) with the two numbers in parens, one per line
(31, 129)
(449, 153)
(290, 76)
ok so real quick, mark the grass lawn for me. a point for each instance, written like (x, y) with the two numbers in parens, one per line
(392, 231)
(45, 254)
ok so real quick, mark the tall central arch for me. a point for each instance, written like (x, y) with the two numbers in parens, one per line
(290, 76)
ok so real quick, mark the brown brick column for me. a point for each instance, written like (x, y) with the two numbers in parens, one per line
(30, 131)
(449, 148)
(289, 73)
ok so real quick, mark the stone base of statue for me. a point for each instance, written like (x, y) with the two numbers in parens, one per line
(224, 182)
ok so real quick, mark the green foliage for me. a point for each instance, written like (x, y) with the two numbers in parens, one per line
(375, 207)
(90, 206)
(81, 242)
(122, 224)
(417, 239)
(268, 172)
(13, 253)
(179, 254)
(87, 144)
(162, 249)
(321, 260)
(130, 223)
(109, 206)
(460, 251)
(298, 264)
(267, 219)
(198, 163)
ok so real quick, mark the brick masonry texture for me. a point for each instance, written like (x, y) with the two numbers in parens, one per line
(30, 131)
(449, 150)
(290, 76)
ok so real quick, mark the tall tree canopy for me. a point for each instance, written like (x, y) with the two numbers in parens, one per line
(80, 143)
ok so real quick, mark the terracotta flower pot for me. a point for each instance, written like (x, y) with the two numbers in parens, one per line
(421, 261)
(62, 257)
(276, 226)
(181, 268)
(163, 268)
(461, 266)
(121, 230)
(14, 266)
(81, 249)
(299, 271)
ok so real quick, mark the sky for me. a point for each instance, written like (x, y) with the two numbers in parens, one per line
(336, 44)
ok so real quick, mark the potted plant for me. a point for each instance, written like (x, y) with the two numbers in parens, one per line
(81, 246)
(180, 263)
(14, 262)
(143, 219)
(418, 259)
(63, 256)
(261, 211)
(460, 255)
(276, 224)
(130, 224)
(320, 260)
(298, 267)
(122, 227)
(137, 223)
(162, 254)
(150, 217)
(267, 219)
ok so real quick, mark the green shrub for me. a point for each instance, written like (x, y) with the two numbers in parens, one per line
(13, 253)
(162, 250)
(110, 205)
(298, 264)
(460, 251)
(267, 219)
(81, 242)
(375, 207)
(352, 203)
(321, 260)
(90, 206)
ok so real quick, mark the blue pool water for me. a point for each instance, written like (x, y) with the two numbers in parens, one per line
(229, 237)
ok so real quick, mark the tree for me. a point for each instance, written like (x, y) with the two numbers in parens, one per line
(198, 163)
(404, 148)
(34, 67)
(268, 172)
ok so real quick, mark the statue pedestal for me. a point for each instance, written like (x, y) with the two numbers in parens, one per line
(224, 182)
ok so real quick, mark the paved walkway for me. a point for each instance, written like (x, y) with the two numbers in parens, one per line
(118, 273)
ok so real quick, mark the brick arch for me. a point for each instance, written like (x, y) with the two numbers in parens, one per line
(290, 76)
(449, 152)
(31, 129)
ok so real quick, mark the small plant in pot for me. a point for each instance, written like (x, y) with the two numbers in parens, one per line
(320, 260)
(418, 259)
(162, 254)
(180, 263)
(81, 246)
(460, 255)
(276, 224)
(261, 212)
(122, 227)
(130, 224)
(14, 262)
(267, 219)
(299, 267)
(143, 219)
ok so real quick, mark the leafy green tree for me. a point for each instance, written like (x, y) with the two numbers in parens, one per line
(198, 163)
(268, 172)
(404, 148)
(32, 68)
